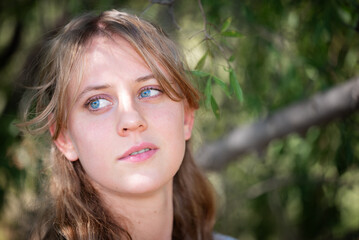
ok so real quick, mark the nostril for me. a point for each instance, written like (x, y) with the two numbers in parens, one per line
(129, 127)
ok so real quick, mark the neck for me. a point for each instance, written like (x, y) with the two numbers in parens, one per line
(148, 217)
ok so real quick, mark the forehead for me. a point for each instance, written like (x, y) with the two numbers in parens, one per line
(115, 44)
(104, 52)
(107, 59)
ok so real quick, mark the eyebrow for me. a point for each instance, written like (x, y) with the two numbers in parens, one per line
(93, 88)
(145, 78)
(100, 87)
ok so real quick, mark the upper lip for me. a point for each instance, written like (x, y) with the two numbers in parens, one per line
(137, 148)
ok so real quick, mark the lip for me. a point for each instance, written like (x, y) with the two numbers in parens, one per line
(140, 157)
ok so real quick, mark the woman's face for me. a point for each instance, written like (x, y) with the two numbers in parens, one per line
(127, 133)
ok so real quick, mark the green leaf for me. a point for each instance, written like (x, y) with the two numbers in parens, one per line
(235, 85)
(224, 87)
(226, 24)
(208, 92)
(215, 107)
(231, 58)
(231, 33)
(200, 73)
(202, 61)
(227, 69)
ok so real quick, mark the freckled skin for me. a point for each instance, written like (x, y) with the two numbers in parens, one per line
(98, 138)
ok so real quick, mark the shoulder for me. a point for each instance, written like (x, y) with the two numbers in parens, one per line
(218, 236)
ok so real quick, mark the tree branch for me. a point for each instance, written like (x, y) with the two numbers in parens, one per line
(204, 20)
(169, 4)
(207, 35)
(319, 109)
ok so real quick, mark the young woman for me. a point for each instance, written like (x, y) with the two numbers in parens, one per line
(112, 92)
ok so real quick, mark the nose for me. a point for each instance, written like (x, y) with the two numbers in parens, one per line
(130, 120)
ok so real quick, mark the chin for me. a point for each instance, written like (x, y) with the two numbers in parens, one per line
(144, 185)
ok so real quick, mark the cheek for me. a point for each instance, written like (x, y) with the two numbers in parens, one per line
(169, 119)
(90, 137)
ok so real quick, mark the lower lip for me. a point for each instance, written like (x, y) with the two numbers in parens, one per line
(141, 157)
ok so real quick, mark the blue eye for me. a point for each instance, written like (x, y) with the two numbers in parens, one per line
(149, 92)
(97, 104)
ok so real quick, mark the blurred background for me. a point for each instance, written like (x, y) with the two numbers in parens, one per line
(277, 133)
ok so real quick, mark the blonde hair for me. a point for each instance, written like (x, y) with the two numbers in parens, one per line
(75, 209)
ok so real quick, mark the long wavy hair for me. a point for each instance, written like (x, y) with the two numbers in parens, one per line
(74, 209)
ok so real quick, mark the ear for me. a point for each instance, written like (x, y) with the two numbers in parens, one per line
(188, 122)
(64, 143)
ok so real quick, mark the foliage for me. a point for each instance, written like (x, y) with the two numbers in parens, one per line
(277, 52)
(298, 187)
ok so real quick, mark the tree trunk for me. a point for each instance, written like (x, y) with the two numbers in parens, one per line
(319, 109)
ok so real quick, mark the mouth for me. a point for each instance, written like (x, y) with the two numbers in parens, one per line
(139, 153)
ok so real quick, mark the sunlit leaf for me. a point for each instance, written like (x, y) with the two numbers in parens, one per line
(236, 88)
(227, 69)
(223, 86)
(202, 61)
(231, 58)
(208, 92)
(226, 25)
(215, 107)
(200, 73)
(231, 33)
